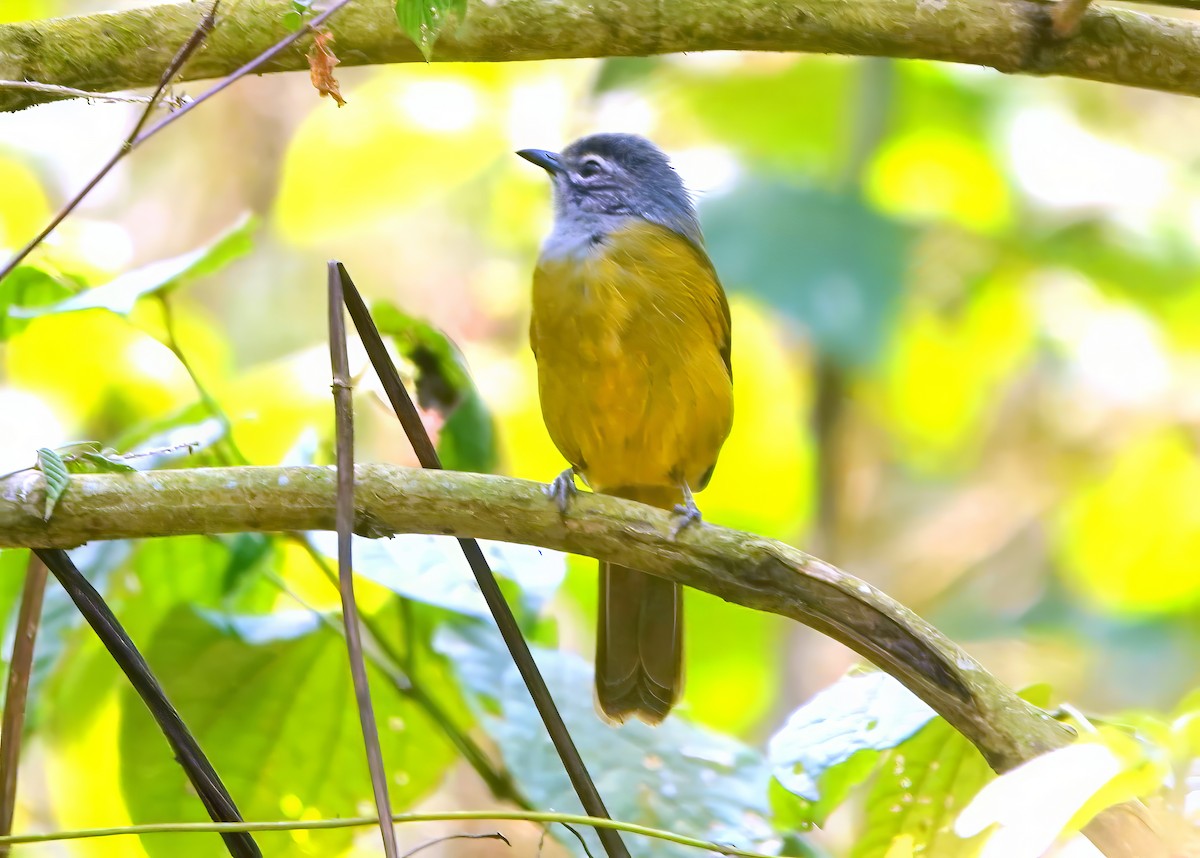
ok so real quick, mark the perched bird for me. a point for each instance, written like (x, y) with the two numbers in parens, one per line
(630, 329)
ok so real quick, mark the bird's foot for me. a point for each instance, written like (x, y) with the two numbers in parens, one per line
(562, 490)
(687, 511)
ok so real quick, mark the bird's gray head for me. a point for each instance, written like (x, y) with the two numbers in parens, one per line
(604, 179)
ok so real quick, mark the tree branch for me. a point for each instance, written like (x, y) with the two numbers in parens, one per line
(124, 50)
(739, 567)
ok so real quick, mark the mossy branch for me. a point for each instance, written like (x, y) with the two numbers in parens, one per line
(739, 567)
(126, 50)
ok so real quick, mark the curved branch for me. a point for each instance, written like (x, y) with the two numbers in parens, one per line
(124, 50)
(739, 567)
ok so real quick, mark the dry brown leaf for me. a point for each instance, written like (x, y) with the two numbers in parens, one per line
(321, 61)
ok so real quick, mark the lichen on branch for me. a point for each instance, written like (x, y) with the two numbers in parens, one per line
(125, 50)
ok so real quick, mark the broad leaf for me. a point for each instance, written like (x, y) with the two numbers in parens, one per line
(802, 250)
(269, 699)
(833, 743)
(677, 776)
(431, 569)
(25, 288)
(121, 294)
(920, 789)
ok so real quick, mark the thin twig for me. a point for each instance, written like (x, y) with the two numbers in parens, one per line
(344, 421)
(71, 92)
(495, 835)
(186, 50)
(422, 444)
(547, 818)
(194, 41)
(145, 135)
(20, 667)
(199, 770)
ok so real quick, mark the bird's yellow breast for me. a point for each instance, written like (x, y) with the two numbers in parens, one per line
(632, 345)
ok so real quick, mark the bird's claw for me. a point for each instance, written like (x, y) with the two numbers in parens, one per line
(688, 513)
(562, 490)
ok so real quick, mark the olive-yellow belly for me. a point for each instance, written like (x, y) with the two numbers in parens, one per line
(634, 388)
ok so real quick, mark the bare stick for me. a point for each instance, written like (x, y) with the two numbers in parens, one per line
(72, 92)
(344, 417)
(139, 136)
(407, 414)
(20, 666)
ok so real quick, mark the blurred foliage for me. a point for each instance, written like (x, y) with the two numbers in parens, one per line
(1004, 270)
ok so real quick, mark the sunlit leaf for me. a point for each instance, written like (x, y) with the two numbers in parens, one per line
(743, 110)
(449, 120)
(23, 205)
(972, 349)
(832, 743)
(800, 249)
(1031, 805)
(26, 287)
(934, 175)
(270, 700)
(918, 793)
(423, 20)
(675, 776)
(1130, 540)
(121, 294)
(431, 569)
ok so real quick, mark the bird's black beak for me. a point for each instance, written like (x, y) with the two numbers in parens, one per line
(548, 161)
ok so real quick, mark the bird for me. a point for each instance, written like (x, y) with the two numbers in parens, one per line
(630, 330)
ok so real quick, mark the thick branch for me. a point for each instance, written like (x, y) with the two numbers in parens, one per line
(739, 567)
(124, 50)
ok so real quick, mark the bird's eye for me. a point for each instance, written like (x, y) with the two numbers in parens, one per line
(590, 167)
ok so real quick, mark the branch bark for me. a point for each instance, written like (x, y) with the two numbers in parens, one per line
(125, 50)
(739, 567)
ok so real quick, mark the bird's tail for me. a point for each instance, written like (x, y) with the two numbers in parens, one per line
(639, 637)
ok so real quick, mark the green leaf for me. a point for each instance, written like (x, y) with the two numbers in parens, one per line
(269, 699)
(919, 792)
(467, 440)
(91, 462)
(121, 294)
(25, 288)
(832, 263)
(57, 478)
(423, 20)
(832, 743)
(675, 776)
(293, 19)
(430, 569)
